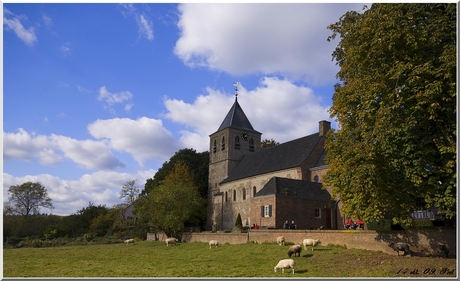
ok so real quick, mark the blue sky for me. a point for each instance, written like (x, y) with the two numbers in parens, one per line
(95, 95)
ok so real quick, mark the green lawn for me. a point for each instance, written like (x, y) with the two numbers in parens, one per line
(154, 259)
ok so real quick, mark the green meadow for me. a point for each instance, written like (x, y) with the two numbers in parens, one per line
(155, 259)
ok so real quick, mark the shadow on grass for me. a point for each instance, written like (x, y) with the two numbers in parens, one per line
(317, 250)
(308, 255)
(300, 271)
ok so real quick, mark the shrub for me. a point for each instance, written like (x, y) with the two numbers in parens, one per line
(238, 222)
(36, 243)
(60, 241)
(384, 224)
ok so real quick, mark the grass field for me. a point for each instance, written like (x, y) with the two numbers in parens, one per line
(154, 259)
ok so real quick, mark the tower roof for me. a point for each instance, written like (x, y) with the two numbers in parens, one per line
(236, 119)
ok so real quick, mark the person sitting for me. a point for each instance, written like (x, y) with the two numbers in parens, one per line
(293, 225)
(360, 224)
(286, 225)
(256, 227)
(349, 224)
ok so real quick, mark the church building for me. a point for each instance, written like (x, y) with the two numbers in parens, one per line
(267, 186)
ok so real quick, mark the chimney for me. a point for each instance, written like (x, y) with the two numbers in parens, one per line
(324, 126)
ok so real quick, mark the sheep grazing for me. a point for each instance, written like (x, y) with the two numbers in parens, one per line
(444, 249)
(280, 240)
(293, 250)
(400, 247)
(171, 240)
(214, 243)
(287, 263)
(310, 242)
(127, 241)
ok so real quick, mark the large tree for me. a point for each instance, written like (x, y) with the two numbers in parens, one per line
(395, 104)
(198, 164)
(27, 199)
(171, 204)
(129, 192)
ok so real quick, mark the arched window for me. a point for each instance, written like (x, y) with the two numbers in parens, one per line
(226, 197)
(316, 178)
(251, 145)
(234, 195)
(237, 142)
(244, 194)
(254, 191)
(223, 143)
(214, 148)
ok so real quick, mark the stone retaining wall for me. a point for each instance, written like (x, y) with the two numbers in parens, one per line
(422, 242)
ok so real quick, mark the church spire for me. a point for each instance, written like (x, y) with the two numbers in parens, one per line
(236, 90)
(235, 117)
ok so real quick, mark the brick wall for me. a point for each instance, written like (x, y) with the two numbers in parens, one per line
(256, 217)
(421, 242)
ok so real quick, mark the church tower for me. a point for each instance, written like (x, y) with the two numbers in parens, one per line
(234, 139)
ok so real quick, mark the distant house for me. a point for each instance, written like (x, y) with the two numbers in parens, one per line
(269, 186)
(423, 214)
(128, 211)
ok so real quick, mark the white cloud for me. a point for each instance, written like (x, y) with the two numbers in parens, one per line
(13, 23)
(69, 196)
(144, 138)
(88, 154)
(144, 24)
(145, 27)
(25, 147)
(47, 20)
(204, 115)
(281, 39)
(282, 110)
(128, 107)
(83, 90)
(51, 150)
(277, 108)
(129, 9)
(113, 98)
(65, 49)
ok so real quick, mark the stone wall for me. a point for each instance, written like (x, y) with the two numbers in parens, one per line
(421, 242)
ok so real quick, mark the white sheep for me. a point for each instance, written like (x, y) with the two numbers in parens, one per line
(213, 243)
(310, 242)
(127, 241)
(171, 240)
(295, 249)
(286, 263)
(280, 240)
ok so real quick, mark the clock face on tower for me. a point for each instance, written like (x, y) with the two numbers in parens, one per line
(244, 136)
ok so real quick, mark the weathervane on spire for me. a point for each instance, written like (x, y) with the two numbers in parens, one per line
(236, 89)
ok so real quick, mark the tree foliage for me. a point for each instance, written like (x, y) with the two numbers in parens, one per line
(173, 203)
(27, 198)
(266, 143)
(395, 150)
(108, 222)
(80, 222)
(129, 191)
(198, 164)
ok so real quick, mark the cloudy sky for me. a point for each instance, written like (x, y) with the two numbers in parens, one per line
(95, 95)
